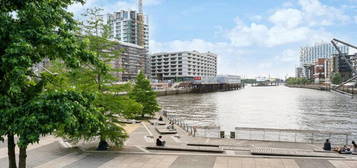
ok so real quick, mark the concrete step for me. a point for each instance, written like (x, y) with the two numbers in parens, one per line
(188, 149)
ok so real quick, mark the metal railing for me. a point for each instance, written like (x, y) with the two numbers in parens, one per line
(197, 131)
(292, 135)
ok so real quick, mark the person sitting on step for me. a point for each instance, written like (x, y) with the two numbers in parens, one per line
(327, 145)
(160, 141)
(354, 146)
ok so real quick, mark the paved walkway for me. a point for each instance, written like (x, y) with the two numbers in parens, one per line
(52, 153)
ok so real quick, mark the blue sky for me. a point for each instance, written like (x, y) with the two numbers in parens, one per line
(252, 38)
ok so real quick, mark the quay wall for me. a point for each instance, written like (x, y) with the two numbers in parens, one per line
(324, 88)
(173, 91)
(200, 88)
(316, 87)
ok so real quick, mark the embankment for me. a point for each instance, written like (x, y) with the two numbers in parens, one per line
(325, 88)
(173, 91)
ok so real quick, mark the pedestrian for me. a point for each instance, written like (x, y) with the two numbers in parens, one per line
(160, 141)
(354, 146)
(327, 145)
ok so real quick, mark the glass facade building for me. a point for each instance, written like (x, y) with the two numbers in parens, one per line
(129, 26)
(310, 54)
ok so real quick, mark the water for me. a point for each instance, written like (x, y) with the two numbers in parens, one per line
(266, 107)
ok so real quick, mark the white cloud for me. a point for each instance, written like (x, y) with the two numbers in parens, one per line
(289, 25)
(317, 14)
(289, 18)
(262, 35)
(288, 55)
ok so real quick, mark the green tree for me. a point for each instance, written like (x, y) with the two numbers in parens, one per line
(31, 31)
(336, 78)
(298, 81)
(143, 94)
(99, 81)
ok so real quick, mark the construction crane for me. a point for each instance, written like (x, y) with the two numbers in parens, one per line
(354, 76)
(140, 6)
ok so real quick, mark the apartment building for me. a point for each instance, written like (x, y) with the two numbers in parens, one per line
(182, 66)
(309, 55)
(130, 26)
(132, 60)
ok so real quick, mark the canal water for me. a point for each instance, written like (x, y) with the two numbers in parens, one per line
(266, 107)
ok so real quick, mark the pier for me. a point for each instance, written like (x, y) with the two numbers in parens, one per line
(213, 87)
(217, 83)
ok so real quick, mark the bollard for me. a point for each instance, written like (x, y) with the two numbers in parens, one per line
(221, 134)
(233, 135)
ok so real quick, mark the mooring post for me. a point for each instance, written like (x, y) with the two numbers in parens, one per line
(233, 135)
(346, 139)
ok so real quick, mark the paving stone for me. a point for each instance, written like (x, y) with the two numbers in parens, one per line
(194, 162)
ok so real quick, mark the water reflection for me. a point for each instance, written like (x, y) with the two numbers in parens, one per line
(266, 107)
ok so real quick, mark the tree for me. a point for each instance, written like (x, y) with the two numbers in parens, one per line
(298, 81)
(336, 78)
(143, 94)
(94, 79)
(31, 31)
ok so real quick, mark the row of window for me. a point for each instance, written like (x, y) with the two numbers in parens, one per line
(174, 74)
(166, 70)
(167, 74)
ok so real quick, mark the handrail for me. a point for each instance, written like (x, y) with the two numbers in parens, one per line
(273, 134)
(295, 130)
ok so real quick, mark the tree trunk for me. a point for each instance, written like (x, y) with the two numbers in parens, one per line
(103, 144)
(22, 157)
(11, 150)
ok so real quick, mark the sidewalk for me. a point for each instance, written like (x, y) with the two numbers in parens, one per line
(50, 153)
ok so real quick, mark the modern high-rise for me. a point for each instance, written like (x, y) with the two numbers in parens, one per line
(309, 55)
(130, 26)
(298, 72)
(185, 65)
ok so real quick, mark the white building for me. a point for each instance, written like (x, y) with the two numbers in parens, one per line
(185, 65)
(309, 55)
(130, 26)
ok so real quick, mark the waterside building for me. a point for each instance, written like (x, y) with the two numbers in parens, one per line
(182, 66)
(131, 61)
(130, 26)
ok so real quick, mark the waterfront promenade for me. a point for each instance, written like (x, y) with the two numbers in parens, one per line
(52, 152)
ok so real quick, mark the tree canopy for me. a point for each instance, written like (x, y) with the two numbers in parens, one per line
(298, 81)
(336, 78)
(143, 94)
(31, 32)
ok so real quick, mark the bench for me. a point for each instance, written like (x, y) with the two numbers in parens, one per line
(129, 121)
(165, 131)
(291, 152)
(188, 149)
(152, 122)
(206, 145)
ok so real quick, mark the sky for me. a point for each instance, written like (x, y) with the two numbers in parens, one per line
(251, 37)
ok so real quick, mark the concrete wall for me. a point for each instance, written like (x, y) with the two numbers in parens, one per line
(173, 91)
